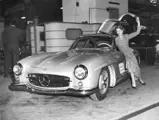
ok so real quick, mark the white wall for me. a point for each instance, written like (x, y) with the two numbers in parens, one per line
(56, 40)
(83, 10)
(69, 10)
(40, 43)
(55, 36)
(102, 13)
(93, 11)
(72, 13)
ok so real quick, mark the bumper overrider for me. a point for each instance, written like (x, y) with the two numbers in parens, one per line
(17, 87)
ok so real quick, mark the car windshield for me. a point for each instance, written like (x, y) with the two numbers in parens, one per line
(93, 42)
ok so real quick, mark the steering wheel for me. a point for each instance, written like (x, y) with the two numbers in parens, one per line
(104, 45)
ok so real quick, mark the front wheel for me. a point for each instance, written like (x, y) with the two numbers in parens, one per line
(103, 85)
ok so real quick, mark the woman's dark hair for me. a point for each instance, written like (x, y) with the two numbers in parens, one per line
(119, 26)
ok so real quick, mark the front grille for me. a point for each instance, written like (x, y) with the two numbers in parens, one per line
(47, 80)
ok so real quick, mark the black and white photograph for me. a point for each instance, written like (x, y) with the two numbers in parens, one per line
(79, 59)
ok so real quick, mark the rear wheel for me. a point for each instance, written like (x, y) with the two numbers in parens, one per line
(103, 85)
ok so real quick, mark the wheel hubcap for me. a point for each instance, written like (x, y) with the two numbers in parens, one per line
(103, 82)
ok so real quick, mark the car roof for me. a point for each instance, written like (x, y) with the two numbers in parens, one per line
(112, 20)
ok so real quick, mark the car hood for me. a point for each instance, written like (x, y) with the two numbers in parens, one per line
(69, 58)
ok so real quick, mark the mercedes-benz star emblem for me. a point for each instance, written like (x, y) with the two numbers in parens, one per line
(44, 80)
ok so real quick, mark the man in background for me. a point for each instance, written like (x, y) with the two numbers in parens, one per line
(11, 38)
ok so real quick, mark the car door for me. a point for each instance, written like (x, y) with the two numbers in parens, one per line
(120, 64)
(128, 21)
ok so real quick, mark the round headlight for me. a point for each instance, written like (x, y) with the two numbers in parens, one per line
(17, 69)
(80, 72)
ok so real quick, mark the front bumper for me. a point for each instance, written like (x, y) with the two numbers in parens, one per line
(17, 87)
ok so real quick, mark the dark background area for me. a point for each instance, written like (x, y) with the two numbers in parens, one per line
(45, 10)
(50, 10)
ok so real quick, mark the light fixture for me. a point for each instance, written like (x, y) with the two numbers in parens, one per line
(23, 17)
(153, 1)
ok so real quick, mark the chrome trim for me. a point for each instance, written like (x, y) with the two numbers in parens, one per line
(69, 91)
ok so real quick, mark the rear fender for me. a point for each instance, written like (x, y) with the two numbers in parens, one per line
(112, 76)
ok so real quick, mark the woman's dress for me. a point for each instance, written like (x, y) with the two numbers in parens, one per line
(131, 61)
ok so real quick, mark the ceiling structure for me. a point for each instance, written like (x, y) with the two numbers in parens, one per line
(143, 8)
(49, 10)
(46, 10)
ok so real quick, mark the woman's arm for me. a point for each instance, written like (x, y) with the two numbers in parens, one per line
(137, 32)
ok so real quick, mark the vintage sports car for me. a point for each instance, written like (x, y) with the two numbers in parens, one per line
(90, 67)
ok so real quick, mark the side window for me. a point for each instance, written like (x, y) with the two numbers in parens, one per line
(104, 43)
(89, 44)
(81, 43)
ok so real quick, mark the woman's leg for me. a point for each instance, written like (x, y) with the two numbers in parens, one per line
(141, 80)
(137, 72)
(130, 67)
(133, 80)
(138, 76)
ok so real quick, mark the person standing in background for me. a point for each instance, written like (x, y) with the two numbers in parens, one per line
(11, 38)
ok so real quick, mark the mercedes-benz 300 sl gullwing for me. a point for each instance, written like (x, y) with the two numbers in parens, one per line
(90, 67)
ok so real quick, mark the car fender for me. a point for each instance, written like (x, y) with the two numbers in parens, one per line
(112, 76)
(112, 72)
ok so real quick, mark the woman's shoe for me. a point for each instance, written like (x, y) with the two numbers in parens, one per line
(143, 83)
(133, 87)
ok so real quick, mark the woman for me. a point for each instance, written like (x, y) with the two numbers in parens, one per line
(122, 41)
